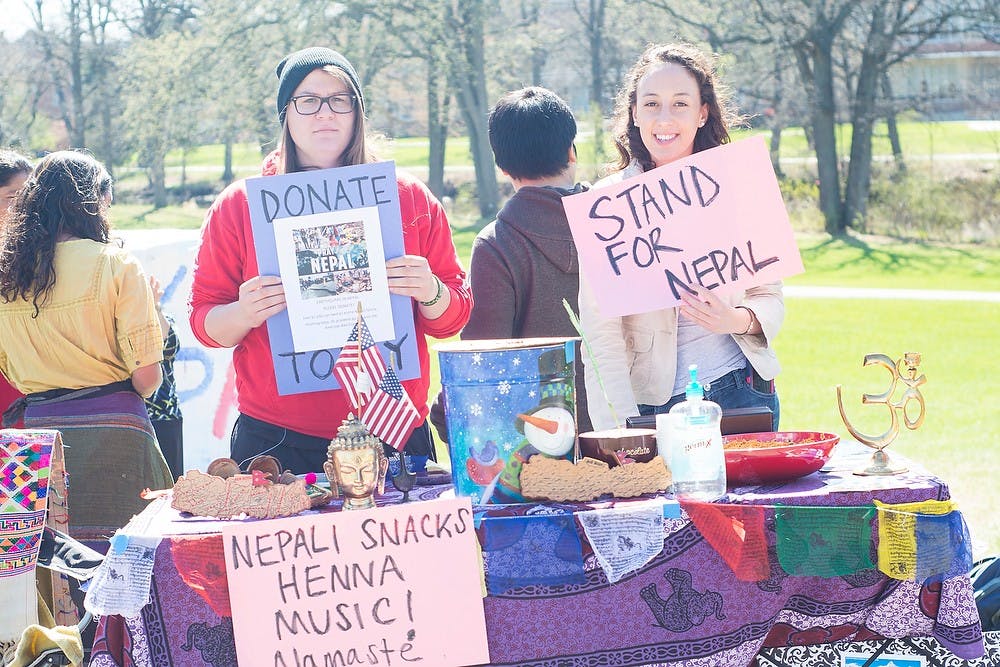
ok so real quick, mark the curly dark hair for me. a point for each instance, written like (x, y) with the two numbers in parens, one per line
(66, 196)
(721, 115)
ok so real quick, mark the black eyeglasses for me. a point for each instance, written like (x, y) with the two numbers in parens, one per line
(307, 105)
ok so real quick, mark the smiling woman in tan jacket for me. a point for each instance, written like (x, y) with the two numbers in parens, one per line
(669, 108)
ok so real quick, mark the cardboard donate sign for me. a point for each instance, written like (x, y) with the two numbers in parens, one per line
(714, 219)
(389, 586)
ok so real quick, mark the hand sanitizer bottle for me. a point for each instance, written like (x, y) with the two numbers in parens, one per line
(697, 462)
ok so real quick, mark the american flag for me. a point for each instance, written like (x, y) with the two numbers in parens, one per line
(390, 414)
(347, 367)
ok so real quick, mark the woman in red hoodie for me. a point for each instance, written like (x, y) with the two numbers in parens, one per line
(321, 109)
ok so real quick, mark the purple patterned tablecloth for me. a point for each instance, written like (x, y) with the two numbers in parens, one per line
(685, 607)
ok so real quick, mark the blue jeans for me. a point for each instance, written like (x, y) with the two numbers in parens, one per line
(736, 389)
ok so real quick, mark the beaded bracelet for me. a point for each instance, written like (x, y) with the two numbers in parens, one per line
(437, 297)
(753, 318)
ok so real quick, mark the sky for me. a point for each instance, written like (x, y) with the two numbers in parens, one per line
(15, 18)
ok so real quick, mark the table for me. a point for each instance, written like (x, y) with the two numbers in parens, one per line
(593, 622)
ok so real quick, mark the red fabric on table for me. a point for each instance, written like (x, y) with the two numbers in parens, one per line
(201, 563)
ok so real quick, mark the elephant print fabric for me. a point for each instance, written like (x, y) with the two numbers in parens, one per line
(685, 607)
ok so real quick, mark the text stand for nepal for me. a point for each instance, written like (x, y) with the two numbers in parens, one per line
(327, 233)
(714, 219)
(389, 586)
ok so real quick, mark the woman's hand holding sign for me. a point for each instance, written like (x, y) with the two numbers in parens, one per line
(411, 275)
(708, 311)
(260, 297)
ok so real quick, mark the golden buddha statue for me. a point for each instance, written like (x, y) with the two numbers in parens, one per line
(356, 465)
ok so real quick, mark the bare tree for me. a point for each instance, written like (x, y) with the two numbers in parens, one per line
(592, 14)
(415, 31)
(152, 18)
(889, 31)
(809, 30)
(63, 52)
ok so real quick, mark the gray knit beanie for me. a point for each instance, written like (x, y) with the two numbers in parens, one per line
(296, 66)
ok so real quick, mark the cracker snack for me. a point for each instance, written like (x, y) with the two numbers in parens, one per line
(544, 478)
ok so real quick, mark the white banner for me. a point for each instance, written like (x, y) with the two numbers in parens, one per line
(205, 380)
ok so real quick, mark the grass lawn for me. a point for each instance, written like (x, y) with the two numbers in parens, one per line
(144, 216)
(917, 139)
(823, 342)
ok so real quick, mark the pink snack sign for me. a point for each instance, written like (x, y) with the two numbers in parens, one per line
(714, 219)
(394, 585)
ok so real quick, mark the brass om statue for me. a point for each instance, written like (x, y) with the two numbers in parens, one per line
(905, 371)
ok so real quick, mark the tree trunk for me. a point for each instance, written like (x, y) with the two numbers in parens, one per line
(776, 123)
(595, 33)
(474, 111)
(470, 90)
(863, 114)
(538, 57)
(108, 155)
(775, 149)
(77, 131)
(158, 180)
(890, 121)
(824, 119)
(227, 166)
(437, 128)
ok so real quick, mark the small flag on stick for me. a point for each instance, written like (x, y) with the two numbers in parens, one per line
(390, 414)
(374, 389)
(358, 363)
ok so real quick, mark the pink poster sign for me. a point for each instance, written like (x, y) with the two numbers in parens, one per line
(714, 219)
(394, 585)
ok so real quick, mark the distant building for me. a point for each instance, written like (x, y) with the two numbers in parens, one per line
(951, 79)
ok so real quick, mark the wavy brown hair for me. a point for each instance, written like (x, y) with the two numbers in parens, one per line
(66, 196)
(721, 115)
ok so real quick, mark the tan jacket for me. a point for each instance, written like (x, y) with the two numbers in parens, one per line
(637, 354)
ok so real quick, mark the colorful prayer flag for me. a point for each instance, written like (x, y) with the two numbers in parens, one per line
(359, 353)
(897, 545)
(556, 555)
(624, 538)
(390, 414)
(943, 546)
(823, 541)
(736, 532)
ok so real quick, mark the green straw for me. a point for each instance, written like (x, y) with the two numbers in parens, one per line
(590, 354)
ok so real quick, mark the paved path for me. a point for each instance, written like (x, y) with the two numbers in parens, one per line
(880, 293)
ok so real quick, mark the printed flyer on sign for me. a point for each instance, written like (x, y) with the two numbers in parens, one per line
(327, 269)
(328, 234)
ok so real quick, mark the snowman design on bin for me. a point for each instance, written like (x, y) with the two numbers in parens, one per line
(549, 428)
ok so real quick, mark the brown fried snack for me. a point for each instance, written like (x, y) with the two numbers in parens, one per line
(544, 478)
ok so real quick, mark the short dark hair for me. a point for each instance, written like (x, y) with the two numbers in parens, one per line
(531, 132)
(12, 164)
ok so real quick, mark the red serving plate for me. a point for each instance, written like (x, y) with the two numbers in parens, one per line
(805, 453)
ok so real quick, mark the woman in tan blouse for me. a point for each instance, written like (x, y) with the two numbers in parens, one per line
(81, 340)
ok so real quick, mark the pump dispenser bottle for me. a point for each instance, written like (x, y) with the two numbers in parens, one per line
(697, 461)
